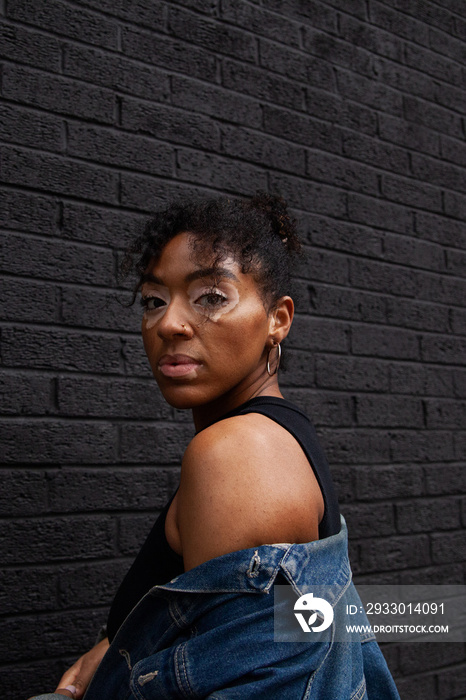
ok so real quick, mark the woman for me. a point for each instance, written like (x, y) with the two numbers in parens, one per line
(255, 506)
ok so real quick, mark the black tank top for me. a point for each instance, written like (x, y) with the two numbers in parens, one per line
(157, 563)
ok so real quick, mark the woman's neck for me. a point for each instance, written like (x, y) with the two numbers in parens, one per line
(205, 415)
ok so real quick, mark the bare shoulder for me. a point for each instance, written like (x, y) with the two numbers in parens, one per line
(245, 481)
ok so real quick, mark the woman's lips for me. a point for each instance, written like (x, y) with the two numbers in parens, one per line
(177, 365)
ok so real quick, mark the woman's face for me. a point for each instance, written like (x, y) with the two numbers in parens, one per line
(204, 329)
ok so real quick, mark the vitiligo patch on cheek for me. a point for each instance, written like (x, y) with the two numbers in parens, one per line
(153, 316)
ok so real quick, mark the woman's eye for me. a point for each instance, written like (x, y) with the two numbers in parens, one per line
(211, 299)
(151, 303)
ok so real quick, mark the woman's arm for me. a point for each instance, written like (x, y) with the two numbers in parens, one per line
(80, 673)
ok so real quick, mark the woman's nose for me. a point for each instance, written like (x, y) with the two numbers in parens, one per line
(176, 320)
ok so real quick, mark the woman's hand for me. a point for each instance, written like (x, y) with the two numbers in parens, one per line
(81, 672)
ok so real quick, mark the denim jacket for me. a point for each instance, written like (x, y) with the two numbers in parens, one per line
(209, 633)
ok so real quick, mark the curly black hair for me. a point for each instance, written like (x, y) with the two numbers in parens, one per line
(258, 232)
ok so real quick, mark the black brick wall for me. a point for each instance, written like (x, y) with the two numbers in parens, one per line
(354, 111)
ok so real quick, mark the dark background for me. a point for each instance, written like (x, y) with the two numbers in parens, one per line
(354, 111)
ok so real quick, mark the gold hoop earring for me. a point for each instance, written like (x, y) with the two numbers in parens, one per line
(278, 346)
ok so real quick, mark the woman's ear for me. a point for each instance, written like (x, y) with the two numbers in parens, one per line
(281, 317)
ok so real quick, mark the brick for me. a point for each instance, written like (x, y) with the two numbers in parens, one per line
(56, 174)
(441, 413)
(81, 396)
(75, 22)
(80, 490)
(24, 492)
(369, 92)
(164, 52)
(421, 380)
(60, 260)
(382, 342)
(336, 51)
(29, 677)
(29, 128)
(344, 483)
(380, 482)
(296, 65)
(74, 538)
(134, 358)
(263, 150)
(116, 72)
(148, 194)
(322, 265)
(318, 335)
(443, 350)
(56, 349)
(351, 373)
(213, 171)
(168, 442)
(431, 14)
(215, 101)
(94, 308)
(417, 315)
(452, 682)
(458, 321)
(22, 593)
(456, 262)
(58, 94)
(342, 235)
(407, 80)
(350, 446)
(261, 21)
(299, 368)
(431, 63)
(321, 16)
(373, 151)
(367, 37)
(380, 214)
(413, 252)
(346, 303)
(100, 226)
(389, 411)
(446, 44)
(342, 172)
(395, 553)
(448, 547)
(170, 124)
(453, 150)
(380, 277)
(414, 688)
(323, 408)
(210, 34)
(438, 173)
(411, 193)
(398, 23)
(455, 205)
(432, 116)
(75, 582)
(364, 521)
(459, 383)
(428, 655)
(144, 12)
(259, 83)
(309, 196)
(16, 309)
(301, 129)
(28, 212)
(431, 446)
(30, 47)
(121, 149)
(58, 441)
(440, 229)
(407, 134)
(433, 575)
(26, 394)
(427, 515)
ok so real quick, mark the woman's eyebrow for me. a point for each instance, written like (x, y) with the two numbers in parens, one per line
(211, 272)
